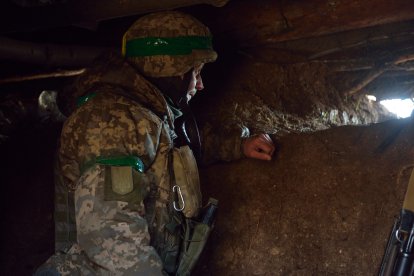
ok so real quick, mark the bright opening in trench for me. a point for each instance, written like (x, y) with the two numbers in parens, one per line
(402, 108)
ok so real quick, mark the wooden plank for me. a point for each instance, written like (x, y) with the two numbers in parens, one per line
(263, 22)
(314, 18)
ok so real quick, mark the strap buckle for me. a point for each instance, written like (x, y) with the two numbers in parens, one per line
(178, 209)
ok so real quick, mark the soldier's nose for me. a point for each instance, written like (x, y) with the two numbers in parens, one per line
(199, 84)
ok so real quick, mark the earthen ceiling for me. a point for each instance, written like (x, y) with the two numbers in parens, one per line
(368, 44)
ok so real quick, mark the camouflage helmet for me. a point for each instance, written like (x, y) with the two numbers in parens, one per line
(167, 44)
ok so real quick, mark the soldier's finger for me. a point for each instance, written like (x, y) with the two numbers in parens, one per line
(260, 155)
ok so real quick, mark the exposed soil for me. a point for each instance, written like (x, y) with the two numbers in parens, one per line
(323, 206)
(272, 98)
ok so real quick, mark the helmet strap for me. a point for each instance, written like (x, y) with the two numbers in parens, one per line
(174, 87)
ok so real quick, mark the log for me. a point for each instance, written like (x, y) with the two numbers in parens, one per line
(48, 55)
(322, 17)
(366, 80)
(83, 13)
(266, 22)
(57, 74)
(378, 72)
(393, 85)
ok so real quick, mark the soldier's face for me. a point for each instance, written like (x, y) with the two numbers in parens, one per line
(195, 83)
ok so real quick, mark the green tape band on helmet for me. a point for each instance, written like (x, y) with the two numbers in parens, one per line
(152, 46)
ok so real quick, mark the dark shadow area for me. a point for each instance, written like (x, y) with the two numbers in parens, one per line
(27, 198)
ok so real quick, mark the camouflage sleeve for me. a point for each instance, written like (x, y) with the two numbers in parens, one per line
(107, 126)
(222, 143)
(112, 233)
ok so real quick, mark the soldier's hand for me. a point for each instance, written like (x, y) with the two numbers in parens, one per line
(259, 147)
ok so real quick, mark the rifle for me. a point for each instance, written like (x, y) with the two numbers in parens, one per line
(398, 259)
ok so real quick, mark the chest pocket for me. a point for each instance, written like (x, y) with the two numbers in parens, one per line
(187, 179)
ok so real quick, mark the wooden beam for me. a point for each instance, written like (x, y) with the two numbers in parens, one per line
(48, 55)
(375, 73)
(83, 13)
(314, 18)
(30, 77)
(392, 87)
(264, 22)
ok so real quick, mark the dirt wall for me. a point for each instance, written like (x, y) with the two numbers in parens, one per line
(281, 99)
(323, 206)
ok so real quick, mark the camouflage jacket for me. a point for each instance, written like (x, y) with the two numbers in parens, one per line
(128, 116)
(117, 86)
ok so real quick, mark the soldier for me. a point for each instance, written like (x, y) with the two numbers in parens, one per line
(126, 196)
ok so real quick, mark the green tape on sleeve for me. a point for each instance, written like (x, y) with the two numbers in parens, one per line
(132, 161)
(82, 100)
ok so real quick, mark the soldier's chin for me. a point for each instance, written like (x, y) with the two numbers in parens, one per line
(189, 96)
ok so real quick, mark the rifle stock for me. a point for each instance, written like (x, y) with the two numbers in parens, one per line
(398, 259)
(391, 252)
